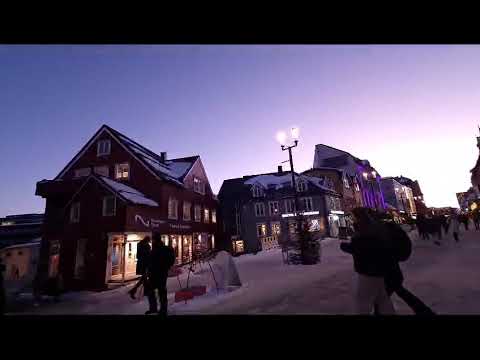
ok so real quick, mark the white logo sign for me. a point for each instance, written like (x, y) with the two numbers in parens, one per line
(154, 223)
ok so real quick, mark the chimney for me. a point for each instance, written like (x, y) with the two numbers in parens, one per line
(280, 169)
(163, 156)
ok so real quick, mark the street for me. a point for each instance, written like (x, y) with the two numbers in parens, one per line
(445, 277)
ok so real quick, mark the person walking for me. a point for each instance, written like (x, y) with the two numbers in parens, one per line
(464, 219)
(455, 222)
(143, 254)
(161, 260)
(476, 219)
(370, 259)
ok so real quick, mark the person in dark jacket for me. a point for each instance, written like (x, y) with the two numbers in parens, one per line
(476, 219)
(464, 219)
(161, 260)
(371, 262)
(143, 254)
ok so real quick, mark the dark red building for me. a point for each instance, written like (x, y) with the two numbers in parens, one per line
(112, 194)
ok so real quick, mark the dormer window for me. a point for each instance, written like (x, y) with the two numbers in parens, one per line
(103, 147)
(198, 186)
(257, 191)
(301, 186)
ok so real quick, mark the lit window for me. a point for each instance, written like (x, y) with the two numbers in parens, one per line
(172, 208)
(198, 213)
(238, 246)
(198, 186)
(301, 186)
(275, 228)
(345, 183)
(101, 170)
(261, 230)
(206, 215)
(122, 171)
(290, 205)
(81, 172)
(259, 209)
(103, 147)
(187, 216)
(292, 227)
(307, 204)
(75, 212)
(214, 216)
(257, 191)
(274, 209)
(109, 205)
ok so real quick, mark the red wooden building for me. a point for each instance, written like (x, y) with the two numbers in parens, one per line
(112, 194)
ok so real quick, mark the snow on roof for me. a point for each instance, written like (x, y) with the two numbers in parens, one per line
(128, 192)
(34, 242)
(280, 181)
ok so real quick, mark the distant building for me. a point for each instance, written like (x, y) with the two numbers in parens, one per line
(258, 210)
(20, 229)
(416, 192)
(112, 194)
(398, 196)
(475, 177)
(364, 174)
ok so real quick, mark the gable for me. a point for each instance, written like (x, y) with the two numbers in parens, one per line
(198, 171)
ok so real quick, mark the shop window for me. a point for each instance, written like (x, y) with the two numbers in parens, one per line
(214, 216)
(261, 230)
(101, 170)
(213, 241)
(259, 209)
(290, 206)
(206, 217)
(172, 208)
(275, 228)
(187, 207)
(122, 171)
(307, 204)
(109, 206)
(81, 172)
(103, 147)
(274, 209)
(75, 212)
(238, 246)
(292, 227)
(198, 213)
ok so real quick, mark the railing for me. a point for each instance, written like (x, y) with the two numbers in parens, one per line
(269, 242)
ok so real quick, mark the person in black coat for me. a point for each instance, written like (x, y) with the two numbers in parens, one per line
(161, 260)
(143, 254)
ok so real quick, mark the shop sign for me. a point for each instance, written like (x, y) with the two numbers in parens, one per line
(180, 227)
(153, 223)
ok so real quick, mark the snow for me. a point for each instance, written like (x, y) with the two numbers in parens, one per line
(279, 181)
(128, 192)
(444, 277)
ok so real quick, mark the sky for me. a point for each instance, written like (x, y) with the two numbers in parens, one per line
(410, 110)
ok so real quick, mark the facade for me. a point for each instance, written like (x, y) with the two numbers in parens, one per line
(365, 175)
(399, 196)
(108, 197)
(417, 194)
(258, 210)
(20, 229)
(475, 178)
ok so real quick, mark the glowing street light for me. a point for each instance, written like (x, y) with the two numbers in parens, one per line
(282, 137)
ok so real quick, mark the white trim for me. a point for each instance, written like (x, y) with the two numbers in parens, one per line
(307, 213)
(104, 141)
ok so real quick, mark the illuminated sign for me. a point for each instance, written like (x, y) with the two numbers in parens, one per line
(307, 213)
(337, 212)
(153, 223)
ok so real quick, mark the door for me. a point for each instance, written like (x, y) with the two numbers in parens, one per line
(131, 258)
(117, 258)
(334, 225)
(187, 248)
(80, 259)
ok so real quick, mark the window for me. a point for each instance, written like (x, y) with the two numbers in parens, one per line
(274, 209)
(103, 147)
(290, 206)
(198, 186)
(122, 171)
(259, 209)
(109, 205)
(301, 186)
(345, 183)
(172, 208)
(261, 230)
(307, 204)
(81, 172)
(187, 207)
(206, 215)
(257, 191)
(214, 216)
(75, 212)
(238, 246)
(275, 228)
(101, 170)
(198, 213)
(292, 227)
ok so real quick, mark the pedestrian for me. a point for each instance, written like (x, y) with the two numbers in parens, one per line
(370, 259)
(455, 222)
(401, 246)
(436, 228)
(143, 254)
(445, 223)
(464, 219)
(3, 297)
(476, 219)
(161, 260)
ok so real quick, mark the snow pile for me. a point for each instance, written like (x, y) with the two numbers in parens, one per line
(225, 271)
(280, 181)
(128, 192)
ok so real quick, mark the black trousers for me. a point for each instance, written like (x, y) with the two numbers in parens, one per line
(455, 235)
(477, 225)
(417, 305)
(160, 285)
(139, 282)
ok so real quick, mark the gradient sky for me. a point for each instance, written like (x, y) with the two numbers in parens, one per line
(410, 110)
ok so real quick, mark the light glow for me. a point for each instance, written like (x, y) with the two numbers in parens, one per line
(295, 133)
(282, 137)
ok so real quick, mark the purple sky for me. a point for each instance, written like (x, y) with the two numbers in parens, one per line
(410, 110)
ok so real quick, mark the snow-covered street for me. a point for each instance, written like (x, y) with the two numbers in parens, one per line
(445, 278)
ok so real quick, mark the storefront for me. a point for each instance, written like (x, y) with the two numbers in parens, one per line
(337, 223)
